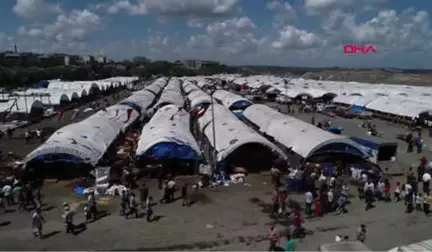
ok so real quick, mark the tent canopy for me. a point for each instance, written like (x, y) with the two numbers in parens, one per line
(167, 136)
(231, 133)
(304, 138)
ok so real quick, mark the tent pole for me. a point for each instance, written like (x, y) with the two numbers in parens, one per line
(214, 134)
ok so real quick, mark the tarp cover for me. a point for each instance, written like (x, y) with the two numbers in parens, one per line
(230, 132)
(167, 135)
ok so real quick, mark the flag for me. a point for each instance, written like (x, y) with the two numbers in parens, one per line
(129, 113)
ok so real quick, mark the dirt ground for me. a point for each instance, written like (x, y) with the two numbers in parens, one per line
(223, 218)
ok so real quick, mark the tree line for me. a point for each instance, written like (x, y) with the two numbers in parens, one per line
(16, 77)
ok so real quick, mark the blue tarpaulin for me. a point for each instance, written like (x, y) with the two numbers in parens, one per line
(57, 158)
(171, 150)
(42, 84)
(335, 129)
(356, 109)
(132, 105)
(242, 104)
(239, 114)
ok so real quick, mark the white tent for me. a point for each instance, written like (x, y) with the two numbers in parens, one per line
(169, 125)
(227, 98)
(231, 133)
(171, 94)
(198, 97)
(304, 138)
(89, 139)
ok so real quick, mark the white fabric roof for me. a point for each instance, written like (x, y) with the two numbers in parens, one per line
(21, 104)
(399, 106)
(198, 97)
(90, 138)
(162, 129)
(172, 94)
(227, 98)
(231, 133)
(189, 87)
(303, 137)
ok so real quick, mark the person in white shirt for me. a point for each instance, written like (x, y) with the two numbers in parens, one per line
(380, 189)
(369, 186)
(419, 202)
(37, 223)
(7, 192)
(309, 200)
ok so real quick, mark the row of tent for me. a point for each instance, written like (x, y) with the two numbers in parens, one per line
(397, 100)
(57, 93)
(168, 135)
(88, 140)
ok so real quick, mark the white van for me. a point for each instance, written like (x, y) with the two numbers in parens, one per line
(419, 246)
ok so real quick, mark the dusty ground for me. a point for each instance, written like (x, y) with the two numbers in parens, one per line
(224, 218)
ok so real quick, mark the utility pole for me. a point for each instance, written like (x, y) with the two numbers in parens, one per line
(214, 163)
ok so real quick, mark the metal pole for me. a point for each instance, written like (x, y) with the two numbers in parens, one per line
(286, 97)
(214, 134)
(25, 101)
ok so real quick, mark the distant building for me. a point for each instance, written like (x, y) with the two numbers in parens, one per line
(66, 60)
(86, 59)
(100, 59)
(196, 64)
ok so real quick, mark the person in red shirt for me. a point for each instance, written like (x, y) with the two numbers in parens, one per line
(387, 189)
(296, 221)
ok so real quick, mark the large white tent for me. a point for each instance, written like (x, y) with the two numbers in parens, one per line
(230, 100)
(88, 140)
(167, 135)
(304, 138)
(230, 133)
(171, 94)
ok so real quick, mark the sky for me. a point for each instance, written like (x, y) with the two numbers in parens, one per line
(235, 32)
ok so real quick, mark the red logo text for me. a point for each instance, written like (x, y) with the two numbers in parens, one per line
(354, 49)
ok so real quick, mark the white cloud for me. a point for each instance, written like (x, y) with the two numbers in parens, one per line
(35, 9)
(69, 32)
(193, 8)
(195, 23)
(408, 30)
(285, 13)
(230, 36)
(292, 38)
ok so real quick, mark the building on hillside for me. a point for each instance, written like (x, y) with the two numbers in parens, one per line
(196, 64)
(66, 60)
(100, 59)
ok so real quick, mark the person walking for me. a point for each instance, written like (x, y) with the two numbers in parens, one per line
(133, 209)
(68, 219)
(149, 209)
(37, 222)
(274, 238)
(290, 245)
(144, 192)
